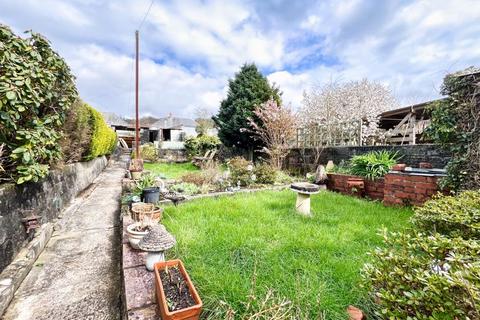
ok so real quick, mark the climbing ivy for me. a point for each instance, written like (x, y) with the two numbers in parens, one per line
(36, 90)
(455, 124)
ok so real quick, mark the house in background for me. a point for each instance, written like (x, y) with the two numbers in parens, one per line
(167, 133)
(172, 131)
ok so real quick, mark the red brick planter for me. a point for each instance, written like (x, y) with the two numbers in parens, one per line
(372, 189)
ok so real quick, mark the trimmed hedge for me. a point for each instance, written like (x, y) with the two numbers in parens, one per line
(77, 133)
(104, 139)
(455, 216)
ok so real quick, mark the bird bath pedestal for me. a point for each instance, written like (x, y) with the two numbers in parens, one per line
(304, 190)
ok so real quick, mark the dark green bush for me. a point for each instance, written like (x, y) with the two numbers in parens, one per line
(77, 133)
(265, 173)
(36, 90)
(374, 164)
(198, 146)
(104, 139)
(457, 216)
(424, 276)
(241, 170)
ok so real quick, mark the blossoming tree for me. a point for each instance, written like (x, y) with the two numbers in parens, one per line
(347, 106)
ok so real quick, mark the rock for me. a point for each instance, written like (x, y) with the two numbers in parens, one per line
(355, 313)
(330, 165)
(321, 175)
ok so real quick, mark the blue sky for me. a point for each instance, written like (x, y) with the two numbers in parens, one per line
(190, 48)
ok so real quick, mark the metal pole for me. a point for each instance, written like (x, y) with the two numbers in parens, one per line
(137, 124)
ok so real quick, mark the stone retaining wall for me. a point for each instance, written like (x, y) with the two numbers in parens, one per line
(46, 198)
(412, 155)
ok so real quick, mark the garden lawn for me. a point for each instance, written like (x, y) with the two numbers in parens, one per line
(171, 170)
(249, 243)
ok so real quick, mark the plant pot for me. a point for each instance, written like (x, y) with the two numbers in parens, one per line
(151, 195)
(356, 186)
(399, 167)
(134, 237)
(136, 175)
(190, 313)
(140, 210)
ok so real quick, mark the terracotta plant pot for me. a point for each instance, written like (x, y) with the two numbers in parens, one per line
(190, 313)
(356, 186)
(425, 165)
(399, 167)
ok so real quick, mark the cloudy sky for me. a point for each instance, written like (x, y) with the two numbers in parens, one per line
(189, 49)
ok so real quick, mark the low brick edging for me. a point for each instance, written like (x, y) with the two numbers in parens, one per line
(13, 275)
(396, 188)
(373, 188)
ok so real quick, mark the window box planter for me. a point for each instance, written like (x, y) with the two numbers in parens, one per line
(189, 313)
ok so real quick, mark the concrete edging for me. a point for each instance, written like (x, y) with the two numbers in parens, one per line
(13, 275)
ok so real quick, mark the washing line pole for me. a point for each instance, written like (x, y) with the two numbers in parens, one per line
(137, 124)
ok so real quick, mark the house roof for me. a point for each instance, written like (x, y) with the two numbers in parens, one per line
(171, 122)
(114, 120)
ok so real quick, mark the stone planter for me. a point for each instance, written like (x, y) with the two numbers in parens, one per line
(190, 313)
(134, 237)
(356, 186)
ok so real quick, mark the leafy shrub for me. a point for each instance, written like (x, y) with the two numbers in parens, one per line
(185, 188)
(148, 152)
(197, 178)
(342, 168)
(457, 216)
(423, 276)
(283, 178)
(104, 139)
(265, 173)
(36, 90)
(77, 133)
(456, 127)
(148, 180)
(374, 164)
(240, 171)
(198, 146)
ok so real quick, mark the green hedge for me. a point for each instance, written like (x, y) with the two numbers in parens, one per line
(104, 139)
(36, 90)
(198, 146)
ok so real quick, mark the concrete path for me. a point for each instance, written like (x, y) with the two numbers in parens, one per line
(78, 274)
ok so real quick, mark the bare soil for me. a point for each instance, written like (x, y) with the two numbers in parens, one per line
(176, 289)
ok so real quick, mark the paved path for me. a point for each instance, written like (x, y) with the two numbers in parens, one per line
(78, 274)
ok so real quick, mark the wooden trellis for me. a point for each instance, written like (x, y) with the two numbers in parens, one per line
(331, 134)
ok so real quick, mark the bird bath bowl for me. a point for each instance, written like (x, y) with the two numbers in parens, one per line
(304, 190)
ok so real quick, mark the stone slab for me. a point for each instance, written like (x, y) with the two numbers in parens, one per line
(148, 313)
(132, 257)
(139, 287)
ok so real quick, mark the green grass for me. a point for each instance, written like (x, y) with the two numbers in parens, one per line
(313, 262)
(171, 170)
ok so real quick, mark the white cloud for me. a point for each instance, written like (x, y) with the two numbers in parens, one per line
(190, 48)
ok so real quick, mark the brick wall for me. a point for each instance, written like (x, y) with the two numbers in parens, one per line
(411, 155)
(373, 188)
(407, 189)
(395, 189)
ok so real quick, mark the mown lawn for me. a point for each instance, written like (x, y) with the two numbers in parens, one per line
(247, 244)
(171, 170)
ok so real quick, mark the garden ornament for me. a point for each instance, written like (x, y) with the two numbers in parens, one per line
(304, 190)
(156, 242)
